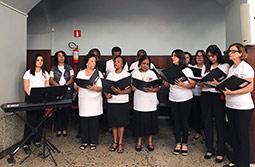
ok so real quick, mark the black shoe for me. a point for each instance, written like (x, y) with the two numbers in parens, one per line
(208, 156)
(27, 150)
(37, 144)
(184, 152)
(150, 147)
(58, 134)
(64, 134)
(217, 160)
(78, 135)
(138, 149)
(177, 151)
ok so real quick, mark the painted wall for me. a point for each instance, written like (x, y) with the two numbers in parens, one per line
(13, 46)
(159, 26)
(233, 23)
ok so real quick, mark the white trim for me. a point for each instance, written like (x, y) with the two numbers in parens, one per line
(14, 9)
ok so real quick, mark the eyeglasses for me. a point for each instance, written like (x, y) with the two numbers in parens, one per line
(212, 55)
(231, 51)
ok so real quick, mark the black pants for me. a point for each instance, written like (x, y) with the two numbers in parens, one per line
(180, 113)
(239, 121)
(33, 117)
(196, 114)
(213, 106)
(89, 129)
(62, 119)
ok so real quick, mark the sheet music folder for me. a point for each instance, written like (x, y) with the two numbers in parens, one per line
(216, 73)
(122, 84)
(47, 94)
(84, 82)
(139, 84)
(196, 71)
(173, 73)
(233, 83)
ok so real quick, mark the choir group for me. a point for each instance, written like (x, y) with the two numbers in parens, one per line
(206, 104)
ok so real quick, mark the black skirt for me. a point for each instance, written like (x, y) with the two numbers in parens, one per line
(118, 114)
(145, 123)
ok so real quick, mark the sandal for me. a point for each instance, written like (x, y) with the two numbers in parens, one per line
(184, 151)
(92, 147)
(37, 144)
(83, 146)
(27, 150)
(150, 147)
(138, 147)
(120, 150)
(196, 137)
(177, 151)
(112, 148)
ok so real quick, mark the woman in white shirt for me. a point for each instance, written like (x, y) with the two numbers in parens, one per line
(201, 62)
(61, 74)
(180, 96)
(240, 106)
(90, 104)
(213, 107)
(117, 105)
(35, 77)
(145, 118)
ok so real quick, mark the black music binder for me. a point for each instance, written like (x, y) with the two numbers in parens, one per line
(101, 65)
(173, 73)
(47, 94)
(196, 71)
(122, 84)
(233, 83)
(84, 82)
(140, 85)
(216, 73)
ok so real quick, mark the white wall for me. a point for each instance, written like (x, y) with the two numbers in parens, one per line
(13, 46)
(233, 23)
(159, 26)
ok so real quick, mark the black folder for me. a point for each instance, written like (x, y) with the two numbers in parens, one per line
(101, 65)
(139, 84)
(130, 71)
(196, 71)
(122, 84)
(216, 73)
(84, 82)
(173, 73)
(233, 83)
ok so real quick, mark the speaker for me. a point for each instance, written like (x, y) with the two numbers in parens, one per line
(247, 14)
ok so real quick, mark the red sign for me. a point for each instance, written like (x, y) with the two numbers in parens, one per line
(77, 33)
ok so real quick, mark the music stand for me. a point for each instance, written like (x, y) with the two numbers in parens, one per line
(42, 95)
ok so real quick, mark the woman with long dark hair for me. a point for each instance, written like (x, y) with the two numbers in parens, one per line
(61, 74)
(180, 96)
(145, 117)
(35, 77)
(213, 107)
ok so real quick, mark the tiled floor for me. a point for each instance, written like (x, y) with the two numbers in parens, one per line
(162, 156)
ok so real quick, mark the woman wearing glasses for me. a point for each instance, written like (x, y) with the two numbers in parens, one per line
(213, 107)
(240, 106)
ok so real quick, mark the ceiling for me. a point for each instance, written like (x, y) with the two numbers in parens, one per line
(26, 5)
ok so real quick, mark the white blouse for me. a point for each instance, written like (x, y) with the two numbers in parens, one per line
(240, 101)
(120, 98)
(37, 80)
(90, 102)
(110, 66)
(178, 93)
(145, 101)
(224, 67)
